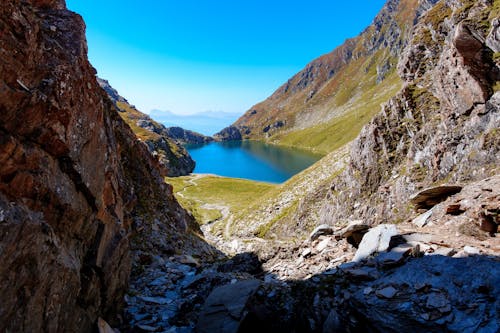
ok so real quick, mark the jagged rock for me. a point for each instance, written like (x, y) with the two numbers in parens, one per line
(188, 260)
(422, 219)
(395, 257)
(375, 240)
(332, 322)
(320, 230)
(158, 139)
(437, 301)
(430, 197)
(323, 245)
(354, 232)
(493, 39)
(73, 179)
(223, 309)
(228, 134)
(387, 292)
(186, 136)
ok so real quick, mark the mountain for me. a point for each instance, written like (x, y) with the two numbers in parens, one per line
(80, 196)
(326, 104)
(206, 123)
(167, 149)
(439, 128)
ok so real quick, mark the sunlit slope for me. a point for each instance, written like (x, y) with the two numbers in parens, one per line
(326, 104)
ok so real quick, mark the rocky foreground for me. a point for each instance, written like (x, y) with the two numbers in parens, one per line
(431, 274)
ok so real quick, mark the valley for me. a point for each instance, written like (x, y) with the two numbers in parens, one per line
(391, 225)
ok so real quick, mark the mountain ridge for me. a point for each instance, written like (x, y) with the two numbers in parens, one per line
(330, 92)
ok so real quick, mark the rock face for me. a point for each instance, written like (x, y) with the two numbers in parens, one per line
(73, 180)
(166, 148)
(442, 126)
(228, 134)
(186, 136)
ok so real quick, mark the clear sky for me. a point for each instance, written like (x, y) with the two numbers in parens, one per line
(190, 56)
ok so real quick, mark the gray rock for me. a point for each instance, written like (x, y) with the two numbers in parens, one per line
(493, 39)
(375, 240)
(332, 322)
(438, 301)
(444, 251)
(223, 309)
(148, 328)
(387, 292)
(155, 300)
(422, 219)
(470, 250)
(323, 244)
(430, 197)
(391, 258)
(417, 237)
(306, 253)
(453, 295)
(323, 229)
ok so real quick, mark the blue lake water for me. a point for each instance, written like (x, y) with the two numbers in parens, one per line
(250, 160)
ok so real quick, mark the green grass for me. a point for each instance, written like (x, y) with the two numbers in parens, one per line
(340, 130)
(236, 194)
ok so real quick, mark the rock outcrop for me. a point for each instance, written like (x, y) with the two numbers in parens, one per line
(77, 189)
(186, 136)
(158, 139)
(442, 126)
(228, 134)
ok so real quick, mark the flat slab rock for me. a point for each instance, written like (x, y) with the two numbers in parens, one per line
(430, 197)
(223, 309)
(375, 240)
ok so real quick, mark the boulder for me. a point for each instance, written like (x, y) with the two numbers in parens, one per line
(430, 197)
(323, 229)
(223, 309)
(353, 232)
(375, 240)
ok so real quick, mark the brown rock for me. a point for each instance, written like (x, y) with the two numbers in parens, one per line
(72, 179)
(434, 195)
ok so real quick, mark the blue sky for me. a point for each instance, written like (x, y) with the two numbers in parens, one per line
(190, 56)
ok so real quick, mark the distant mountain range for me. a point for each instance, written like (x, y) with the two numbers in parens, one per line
(207, 122)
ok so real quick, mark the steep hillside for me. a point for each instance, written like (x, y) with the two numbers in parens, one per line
(441, 127)
(78, 191)
(158, 139)
(325, 105)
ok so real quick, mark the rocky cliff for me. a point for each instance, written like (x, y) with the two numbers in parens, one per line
(158, 139)
(77, 189)
(442, 127)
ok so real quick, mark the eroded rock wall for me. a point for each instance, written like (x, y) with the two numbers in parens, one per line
(441, 128)
(73, 179)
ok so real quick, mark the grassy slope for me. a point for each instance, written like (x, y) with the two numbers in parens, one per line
(335, 133)
(196, 191)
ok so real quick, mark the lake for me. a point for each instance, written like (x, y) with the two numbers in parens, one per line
(250, 160)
